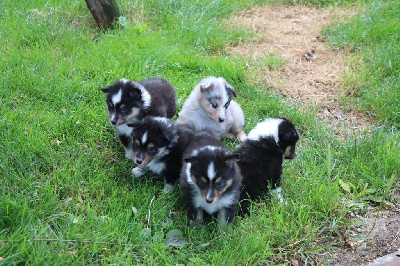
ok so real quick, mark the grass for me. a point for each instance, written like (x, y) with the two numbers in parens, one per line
(374, 84)
(63, 171)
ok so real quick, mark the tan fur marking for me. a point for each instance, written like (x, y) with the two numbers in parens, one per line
(147, 159)
(137, 142)
(218, 194)
(213, 113)
(204, 179)
(150, 145)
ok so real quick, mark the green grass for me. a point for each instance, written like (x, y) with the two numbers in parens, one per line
(63, 172)
(375, 34)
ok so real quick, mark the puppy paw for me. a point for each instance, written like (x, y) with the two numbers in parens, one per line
(128, 154)
(241, 136)
(168, 188)
(138, 171)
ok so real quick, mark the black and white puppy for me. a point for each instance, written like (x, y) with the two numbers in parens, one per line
(210, 180)
(262, 157)
(129, 101)
(158, 145)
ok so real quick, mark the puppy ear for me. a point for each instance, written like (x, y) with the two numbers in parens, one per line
(230, 89)
(232, 157)
(106, 89)
(190, 159)
(206, 87)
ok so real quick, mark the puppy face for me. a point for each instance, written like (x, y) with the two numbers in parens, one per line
(212, 172)
(288, 138)
(216, 95)
(150, 140)
(124, 101)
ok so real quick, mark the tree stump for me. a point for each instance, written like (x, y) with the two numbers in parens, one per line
(105, 12)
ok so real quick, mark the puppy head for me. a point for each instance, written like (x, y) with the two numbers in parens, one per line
(279, 130)
(212, 171)
(288, 138)
(125, 99)
(151, 138)
(215, 97)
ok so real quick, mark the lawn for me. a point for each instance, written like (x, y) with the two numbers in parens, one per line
(67, 194)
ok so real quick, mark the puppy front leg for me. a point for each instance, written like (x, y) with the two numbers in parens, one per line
(195, 217)
(126, 141)
(226, 216)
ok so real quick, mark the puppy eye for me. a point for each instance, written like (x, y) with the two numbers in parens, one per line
(151, 150)
(220, 183)
(215, 106)
(124, 110)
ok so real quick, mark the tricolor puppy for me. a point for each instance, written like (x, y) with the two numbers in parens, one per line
(158, 145)
(210, 108)
(129, 101)
(262, 157)
(210, 180)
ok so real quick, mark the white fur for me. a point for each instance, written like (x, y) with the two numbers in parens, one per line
(145, 96)
(144, 137)
(277, 193)
(128, 153)
(194, 116)
(211, 171)
(116, 98)
(138, 171)
(156, 166)
(224, 201)
(123, 129)
(211, 208)
(269, 127)
(207, 147)
(168, 188)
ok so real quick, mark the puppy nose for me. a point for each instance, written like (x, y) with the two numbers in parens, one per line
(113, 122)
(139, 161)
(221, 120)
(209, 200)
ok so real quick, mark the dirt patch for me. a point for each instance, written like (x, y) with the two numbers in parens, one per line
(312, 72)
(374, 235)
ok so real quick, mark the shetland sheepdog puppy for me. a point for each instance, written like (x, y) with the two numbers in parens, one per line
(129, 101)
(158, 145)
(210, 108)
(262, 157)
(210, 180)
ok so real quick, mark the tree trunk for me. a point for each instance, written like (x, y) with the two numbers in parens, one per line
(105, 12)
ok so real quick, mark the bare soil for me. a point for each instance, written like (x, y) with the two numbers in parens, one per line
(290, 32)
(294, 33)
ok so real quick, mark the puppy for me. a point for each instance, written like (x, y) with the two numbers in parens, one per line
(129, 101)
(158, 145)
(210, 108)
(262, 157)
(210, 180)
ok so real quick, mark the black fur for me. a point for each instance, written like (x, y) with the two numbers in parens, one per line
(261, 162)
(160, 133)
(132, 105)
(220, 194)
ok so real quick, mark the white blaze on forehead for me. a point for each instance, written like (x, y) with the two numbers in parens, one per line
(211, 171)
(188, 173)
(144, 137)
(269, 127)
(117, 97)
